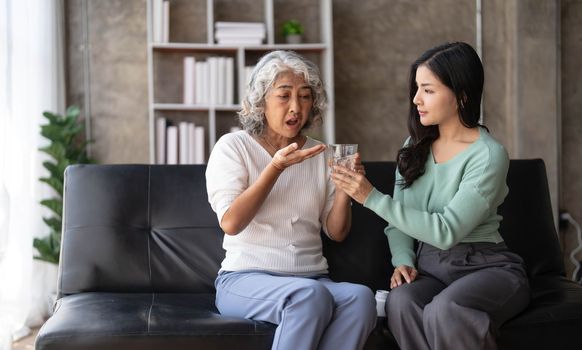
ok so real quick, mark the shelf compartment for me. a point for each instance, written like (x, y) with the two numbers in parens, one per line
(192, 25)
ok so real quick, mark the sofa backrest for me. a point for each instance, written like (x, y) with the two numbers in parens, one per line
(149, 228)
(364, 256)
(138, 228)
(528, 221)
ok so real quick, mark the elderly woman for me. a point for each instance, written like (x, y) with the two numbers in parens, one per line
(269, 187)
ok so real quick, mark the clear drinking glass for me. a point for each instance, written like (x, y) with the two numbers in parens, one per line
(343, 154)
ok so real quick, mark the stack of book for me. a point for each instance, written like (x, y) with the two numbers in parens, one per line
(239, 33)
(181, 144)
(209, 82)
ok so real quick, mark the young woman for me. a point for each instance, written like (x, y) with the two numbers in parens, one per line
(272, 193)
(463, 282)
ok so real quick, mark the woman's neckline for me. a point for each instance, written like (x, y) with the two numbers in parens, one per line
(459, 154)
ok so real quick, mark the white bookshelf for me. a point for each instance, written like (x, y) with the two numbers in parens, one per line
(244, 55)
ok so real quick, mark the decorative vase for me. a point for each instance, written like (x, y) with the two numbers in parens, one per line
(293, 39)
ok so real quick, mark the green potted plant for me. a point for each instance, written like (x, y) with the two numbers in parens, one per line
(292, 31)
(65, 148)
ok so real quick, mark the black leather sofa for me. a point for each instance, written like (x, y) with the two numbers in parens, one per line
(141, 248)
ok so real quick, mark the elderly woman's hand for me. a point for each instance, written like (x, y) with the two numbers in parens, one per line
(285, 157)
(352, 182)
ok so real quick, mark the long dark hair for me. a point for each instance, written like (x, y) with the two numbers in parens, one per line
(458, 67)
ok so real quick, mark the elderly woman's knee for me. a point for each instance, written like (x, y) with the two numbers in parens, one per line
(364, 300)
(313, 298)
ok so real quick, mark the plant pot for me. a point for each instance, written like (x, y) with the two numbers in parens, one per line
(293, 39)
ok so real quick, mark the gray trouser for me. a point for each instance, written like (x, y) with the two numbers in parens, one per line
(459, 299)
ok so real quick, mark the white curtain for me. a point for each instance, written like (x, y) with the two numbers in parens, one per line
(31, 81)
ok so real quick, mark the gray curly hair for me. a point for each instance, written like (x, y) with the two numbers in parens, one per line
(265, 74)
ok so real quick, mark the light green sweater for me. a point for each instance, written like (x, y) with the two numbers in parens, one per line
(455, 201)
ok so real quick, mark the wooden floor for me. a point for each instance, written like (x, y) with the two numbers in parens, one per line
(26, 343)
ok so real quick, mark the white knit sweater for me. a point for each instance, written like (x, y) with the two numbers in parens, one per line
(284, 235)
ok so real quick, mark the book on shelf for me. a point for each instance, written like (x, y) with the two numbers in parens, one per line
(166, 22)
(223, 34)
(220, 83)
(240, 41)
(229, 79)
(172, 144)
(237, 35)
(229, 33)
(191, 143)
(199, 145)
(232, 24)
(157, 10)
(213, 80)
(183, 143)
(239, 25)
(206, 82)
(161, 140)
(161, 21)
(189, 80)
(199, 80)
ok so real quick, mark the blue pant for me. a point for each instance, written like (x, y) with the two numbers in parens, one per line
(311, 312)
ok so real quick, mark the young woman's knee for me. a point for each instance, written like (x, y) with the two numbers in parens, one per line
(441, 308)
(399, 301)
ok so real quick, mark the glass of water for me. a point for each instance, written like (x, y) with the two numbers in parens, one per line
(343, 154)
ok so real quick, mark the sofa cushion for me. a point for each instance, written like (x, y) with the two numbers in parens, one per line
(148, 321)
(552, 319)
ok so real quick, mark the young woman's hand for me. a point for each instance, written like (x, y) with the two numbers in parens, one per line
(358, 166)
(401, 274)
(285, 157)
(353, 182)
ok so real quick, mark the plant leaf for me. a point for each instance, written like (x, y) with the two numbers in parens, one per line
(56, 150)
(52, 118)
(56, 205)
(55, 170)
(73, 111)
(54, 223)
(47, 249)
(53, 182)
